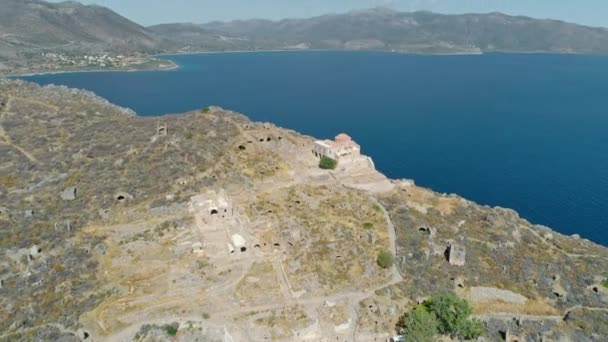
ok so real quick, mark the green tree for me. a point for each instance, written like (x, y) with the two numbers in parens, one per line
(385, 259)
(327, 163)
(453, 316)
(418, 325)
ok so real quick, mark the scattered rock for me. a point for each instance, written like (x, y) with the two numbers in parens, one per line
(34, 252)
(100, 248)
(104, 213)
(558, 290)
(69, 194)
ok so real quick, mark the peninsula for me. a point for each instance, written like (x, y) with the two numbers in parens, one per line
(209, 226)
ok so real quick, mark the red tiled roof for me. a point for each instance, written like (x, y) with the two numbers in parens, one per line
(342, 137)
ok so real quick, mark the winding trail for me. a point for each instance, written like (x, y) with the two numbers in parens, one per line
(5, 139)
(392, 236)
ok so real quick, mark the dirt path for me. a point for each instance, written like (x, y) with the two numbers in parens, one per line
(5, 139)
(283, 281)
(392, 236)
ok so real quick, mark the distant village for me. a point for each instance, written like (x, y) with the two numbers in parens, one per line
(51, 62)
(93, 61)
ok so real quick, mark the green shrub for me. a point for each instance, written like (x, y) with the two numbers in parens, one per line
(471, 329)
(605, 283)
(444, 314)
(385, 259)
(189, 135)
(368, 225)
(418, 325)
(327, 163)
(453, 316)
(170, 330)
(205, 110)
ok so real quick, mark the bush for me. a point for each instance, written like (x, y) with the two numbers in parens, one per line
(471, 329)
(385, 259)
(418, 325)
(171, 330)
(205, 110)
(452, 314)
(445, 314)
(327, 163)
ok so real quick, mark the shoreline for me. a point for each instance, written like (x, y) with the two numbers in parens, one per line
(174, 66)
(472, 53)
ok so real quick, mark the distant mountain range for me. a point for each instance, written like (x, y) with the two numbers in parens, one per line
(418, 32)
(29, 27)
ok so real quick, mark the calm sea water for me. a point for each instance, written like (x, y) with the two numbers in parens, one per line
(529, 132)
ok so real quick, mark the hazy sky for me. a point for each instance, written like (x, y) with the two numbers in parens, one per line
(148, 12)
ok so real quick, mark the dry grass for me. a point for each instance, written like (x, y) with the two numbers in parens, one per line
(536, 307)
(260, 285)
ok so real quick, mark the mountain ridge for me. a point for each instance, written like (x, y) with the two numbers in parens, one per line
(422, 32)
(32, 29)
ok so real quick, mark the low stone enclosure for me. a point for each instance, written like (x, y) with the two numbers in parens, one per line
(222, 230)
(213, 205)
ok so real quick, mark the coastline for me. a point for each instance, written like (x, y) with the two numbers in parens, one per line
(174, 66)
(323, 50)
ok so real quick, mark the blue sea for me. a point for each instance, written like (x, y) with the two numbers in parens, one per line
(524, 131)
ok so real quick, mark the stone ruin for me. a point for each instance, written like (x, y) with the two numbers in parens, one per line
(161, 130)
(69, 194)
(215, 205)
(220, 224)
(456, 254)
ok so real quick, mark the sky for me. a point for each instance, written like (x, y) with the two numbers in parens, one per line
(150, 12)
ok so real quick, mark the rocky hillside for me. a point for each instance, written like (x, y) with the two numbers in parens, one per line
(206, 225)
(29, 28)
(419, 32)
(40, 24)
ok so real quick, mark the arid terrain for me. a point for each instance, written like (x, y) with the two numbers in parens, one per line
(205, 226)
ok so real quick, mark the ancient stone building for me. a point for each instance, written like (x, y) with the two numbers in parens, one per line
(214, 204)
(341, 149)
(456, 254)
